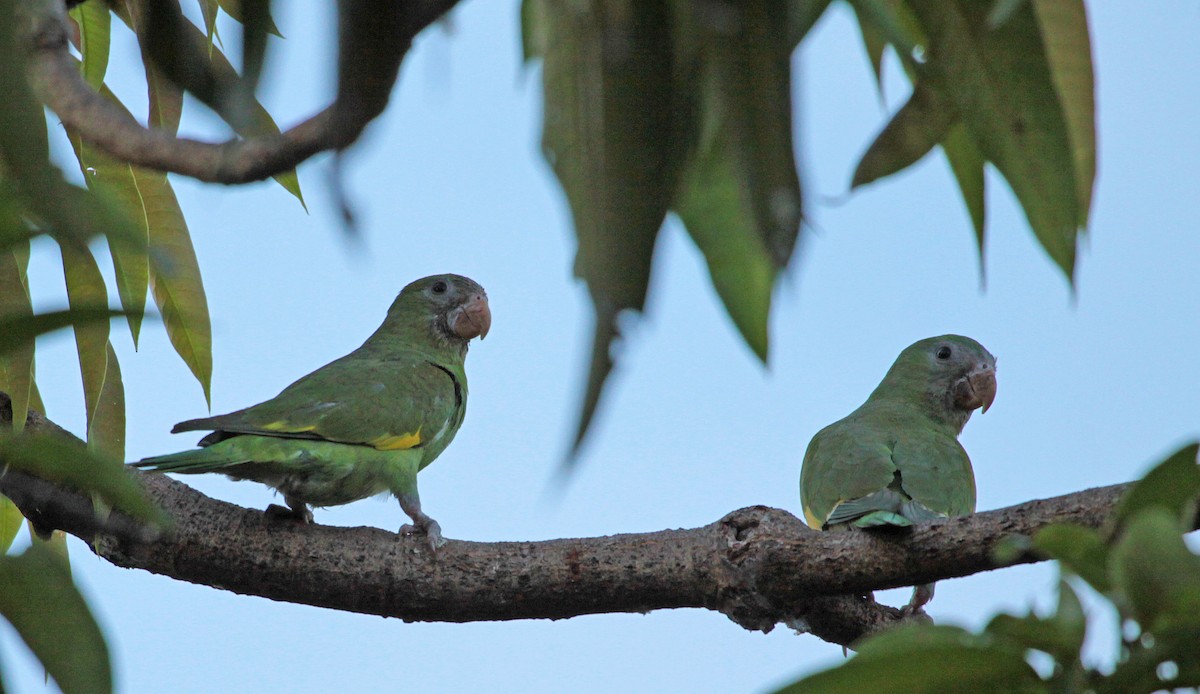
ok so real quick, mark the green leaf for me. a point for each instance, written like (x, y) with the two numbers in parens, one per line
(16, 365)
(233, 8)
(10, 523)
(924, 121)
(95, 23)
(966, 162)
(164, 96)
(208, 10)
(1155, 572)
(1068, 47)
(802, 17)
(1079, 549)
(740, 195)
(69, 463)
(1172, 485)
(926, 659)
(103, 392)
(39, 599)
(1060, 635)
(256, 17)
(533, 30)
(17, 331)
(1001, 82)
(121, 183)
(608, 134)
(175, 279)
(874, 43)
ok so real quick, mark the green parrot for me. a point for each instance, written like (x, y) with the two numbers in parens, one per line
(363, 424)
(896, 460)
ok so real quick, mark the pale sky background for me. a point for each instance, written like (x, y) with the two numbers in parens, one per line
(1092, 389)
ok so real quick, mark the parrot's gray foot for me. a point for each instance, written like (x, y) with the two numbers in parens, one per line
(429, 528)
(921, 596)
(422, 524)
(298, 515)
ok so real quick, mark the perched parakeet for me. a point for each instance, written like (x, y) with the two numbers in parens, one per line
(896, 460)
(363, 424)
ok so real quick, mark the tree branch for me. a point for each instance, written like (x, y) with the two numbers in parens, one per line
(56, 80)
(759, 566)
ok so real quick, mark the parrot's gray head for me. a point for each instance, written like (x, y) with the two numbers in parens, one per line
(953, 374)
(453, 309)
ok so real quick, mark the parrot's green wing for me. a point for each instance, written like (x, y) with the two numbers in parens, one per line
(396, 403)
(880, 466)
(846, 460)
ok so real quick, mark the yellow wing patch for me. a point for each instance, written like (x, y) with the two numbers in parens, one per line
(812, 520)
(389, 442)
(289, 428)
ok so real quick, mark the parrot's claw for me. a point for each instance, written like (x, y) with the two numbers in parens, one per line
(277, 512)
(432, 531)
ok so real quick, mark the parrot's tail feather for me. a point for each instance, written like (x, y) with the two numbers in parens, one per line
(195, 425)
(877, 519)
(188, 462)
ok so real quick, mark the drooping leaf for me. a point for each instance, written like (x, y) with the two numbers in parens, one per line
(69, 463)
(874, 43)
(164, 96)
(533, 30)
(803, 16)
(95, 23)
(103, 392)
(175, 278)
(39, 599)
(1172, 485)
(208, 10)
(966, 162)
(119, 182)
(233, 8)
(924, 658)
(740, 194)
(1156, 572)
(256, 17)
(16, 365)
(1079, 549)
(1064, 30)
(1060, 635)
(924, 121)
(607, 133)
(1000, 79)
(10, 523)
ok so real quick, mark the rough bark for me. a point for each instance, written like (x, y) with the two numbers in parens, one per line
(759, 566)
(362, 94)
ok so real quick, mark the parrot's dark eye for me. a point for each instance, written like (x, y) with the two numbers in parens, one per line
(439, 287)
(943, 353)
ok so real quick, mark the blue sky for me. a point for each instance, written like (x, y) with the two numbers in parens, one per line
(1092, 387)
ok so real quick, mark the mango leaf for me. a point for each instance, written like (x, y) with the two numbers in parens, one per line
(1000, 79)
(607, 133)
(165, 97)
(18, 331)
(924, 121)
(103, 392)
(233, 8)
(803, 15)
(10, 523)
(1064, 30)
(533, 30)
(175, 278)
(256, 16)
(1079, 549)
(1060, 635)
(874, 43)
(1155, 572)
(925, 658)
(95, 24)
(966, 163)
(16, 365)
(208, 10)
(69, 463)
(1172, 485)
(39, 599)
(740, 194)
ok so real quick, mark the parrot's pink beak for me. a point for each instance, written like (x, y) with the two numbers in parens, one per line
(472, 319)
(977, 388)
